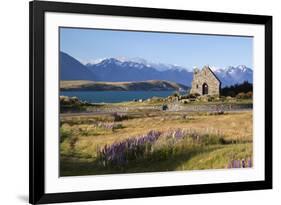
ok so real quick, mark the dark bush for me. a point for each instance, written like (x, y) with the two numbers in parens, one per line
(233, 90)
(193, 95)
(119, 117)
(164, 107)
(176, 94)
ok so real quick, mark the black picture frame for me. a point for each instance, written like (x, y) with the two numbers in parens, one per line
(37, 9)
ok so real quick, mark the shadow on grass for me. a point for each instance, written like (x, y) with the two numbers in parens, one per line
(79, 167)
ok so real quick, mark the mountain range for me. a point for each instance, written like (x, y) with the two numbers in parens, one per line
(234, 75)
(127, 70)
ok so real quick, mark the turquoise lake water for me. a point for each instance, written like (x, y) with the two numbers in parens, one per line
(115, 96)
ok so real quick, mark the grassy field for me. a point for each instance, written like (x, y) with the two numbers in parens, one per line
(153, 140)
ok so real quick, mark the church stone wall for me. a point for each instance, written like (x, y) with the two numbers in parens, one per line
(208, 77)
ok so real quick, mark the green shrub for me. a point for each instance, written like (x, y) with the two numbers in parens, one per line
(117, 126)
(65, 100)
(72, 142)
(64, 133)
(249, 95)
(176, 94)
(211, 98)
(222, 98)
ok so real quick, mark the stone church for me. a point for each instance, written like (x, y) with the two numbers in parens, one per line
(205, 82)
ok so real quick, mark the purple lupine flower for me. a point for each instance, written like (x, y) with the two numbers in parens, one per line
(240, 163)
(178, 134)
(117, 152)
(250, 163)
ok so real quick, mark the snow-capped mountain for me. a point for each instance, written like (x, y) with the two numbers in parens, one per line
(234, 75)
(139, 62)
(114, 70)
(138, 69)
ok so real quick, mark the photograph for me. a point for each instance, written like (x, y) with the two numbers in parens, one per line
(139, 101)
(133, 102)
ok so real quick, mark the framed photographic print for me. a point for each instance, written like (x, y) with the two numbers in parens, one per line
(140, 102)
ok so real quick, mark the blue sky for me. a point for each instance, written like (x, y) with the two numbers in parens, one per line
(187, 50)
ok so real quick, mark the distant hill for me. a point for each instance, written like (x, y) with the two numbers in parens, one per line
(153, 85)
(72, 69)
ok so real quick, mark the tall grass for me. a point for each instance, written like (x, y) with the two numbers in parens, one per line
(154, 145)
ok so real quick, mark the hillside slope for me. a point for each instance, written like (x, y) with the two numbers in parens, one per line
(72, 69)
(152, 85)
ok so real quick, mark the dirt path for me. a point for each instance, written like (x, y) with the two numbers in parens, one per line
(179, 109)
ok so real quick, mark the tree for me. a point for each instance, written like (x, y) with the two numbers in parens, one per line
(234, 90)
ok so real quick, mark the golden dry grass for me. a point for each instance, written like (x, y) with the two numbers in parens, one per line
(232, 126)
